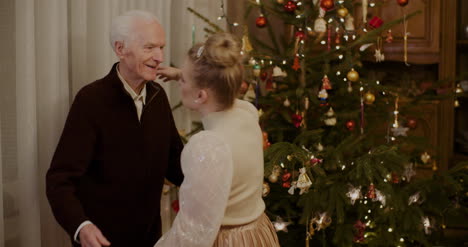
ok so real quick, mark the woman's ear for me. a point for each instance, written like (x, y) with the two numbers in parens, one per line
(202, 96)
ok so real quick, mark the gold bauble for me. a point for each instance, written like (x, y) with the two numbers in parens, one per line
(343, 12)
(280, 1)
(273, 178)
(289, 157)
(353, 75)
(369, 98)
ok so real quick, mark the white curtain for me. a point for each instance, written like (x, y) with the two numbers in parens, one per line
(49, 49)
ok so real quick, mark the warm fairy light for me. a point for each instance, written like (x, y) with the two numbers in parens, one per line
(330, 20)
(323, 42)
(342, 19)
(284, 61)
(372, 5)
(337, 47)
(346, 37)
(402, 240)
(344, 79)
(369, 211)
(340, 56)
(377, 82)
(390, 230)
(338, 73)
(235, 24)
(282, 165)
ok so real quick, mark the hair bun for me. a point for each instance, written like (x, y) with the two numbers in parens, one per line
(222, 50)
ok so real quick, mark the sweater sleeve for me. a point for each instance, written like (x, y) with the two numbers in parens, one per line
(203, 196)
(70, 162)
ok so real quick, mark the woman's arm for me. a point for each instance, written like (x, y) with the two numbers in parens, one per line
(203, 196)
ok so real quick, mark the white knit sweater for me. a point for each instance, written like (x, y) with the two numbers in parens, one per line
(223, 168)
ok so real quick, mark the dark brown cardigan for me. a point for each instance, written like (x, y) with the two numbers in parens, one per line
(109, 168)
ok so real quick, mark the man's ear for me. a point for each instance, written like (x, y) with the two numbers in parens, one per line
(119, 48)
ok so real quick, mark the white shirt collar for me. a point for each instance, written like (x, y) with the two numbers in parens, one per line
(130, 91)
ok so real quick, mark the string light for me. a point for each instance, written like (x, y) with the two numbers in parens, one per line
(338, 72)
(340, 57)
(284, 61)
(323, 42)
(372, 5)
(390, 230)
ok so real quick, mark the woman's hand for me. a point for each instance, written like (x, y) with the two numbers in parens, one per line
(167, 73)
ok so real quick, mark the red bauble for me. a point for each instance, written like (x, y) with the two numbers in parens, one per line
(297, 120)
(412, 123)
(175, 206)
(290, 6)
(286, 176)
(350, 125)
(261, 21)
(375, 22)
(287, 184)
(327, 4)
(402, 3)
(314, 161)
(300, 34)
(263, 75)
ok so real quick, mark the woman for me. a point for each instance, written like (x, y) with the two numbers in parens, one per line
(221, 196)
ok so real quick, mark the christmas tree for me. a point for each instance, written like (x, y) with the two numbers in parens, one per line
(339, 155)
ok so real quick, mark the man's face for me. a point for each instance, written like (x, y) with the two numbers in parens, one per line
(143, 53)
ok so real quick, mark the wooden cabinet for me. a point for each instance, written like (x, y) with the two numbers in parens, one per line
(424, 30)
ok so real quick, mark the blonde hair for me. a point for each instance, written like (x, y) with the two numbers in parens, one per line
(218, 66)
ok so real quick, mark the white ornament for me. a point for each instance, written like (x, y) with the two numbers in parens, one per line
(379, 56)
(426, 224)
(280, 224)
(416, 198)
(400, 131)
(319, 147)
(379, 196)
(320, 25)
(278, 72)
(303, 182)
(354, 194)
(293, 187)
(409, 172)
(349, 23)
(330, 121)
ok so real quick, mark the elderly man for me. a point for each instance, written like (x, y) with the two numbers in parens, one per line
(118, 144)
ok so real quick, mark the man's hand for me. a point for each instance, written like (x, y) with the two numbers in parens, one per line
(91, 236)
(168, 73)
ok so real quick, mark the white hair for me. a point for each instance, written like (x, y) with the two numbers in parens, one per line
(122, 25)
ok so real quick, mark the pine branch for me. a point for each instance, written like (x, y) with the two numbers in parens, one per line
(206, 20)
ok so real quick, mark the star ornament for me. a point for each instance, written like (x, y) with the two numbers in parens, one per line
(400, 131)
(280, 224)
(409, 172)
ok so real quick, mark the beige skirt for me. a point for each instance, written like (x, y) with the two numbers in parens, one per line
(259, 233)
